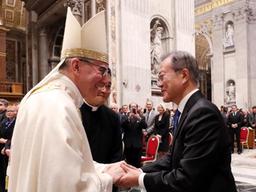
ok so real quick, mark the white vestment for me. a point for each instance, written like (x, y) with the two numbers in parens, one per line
(50, 150)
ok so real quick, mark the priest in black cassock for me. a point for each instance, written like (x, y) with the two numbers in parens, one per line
(102, 125)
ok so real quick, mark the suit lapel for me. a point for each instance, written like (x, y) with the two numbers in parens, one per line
(191, 101)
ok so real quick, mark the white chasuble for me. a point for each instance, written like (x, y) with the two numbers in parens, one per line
(50, 150)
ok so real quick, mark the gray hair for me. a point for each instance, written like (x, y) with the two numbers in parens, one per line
(4, 101)
(183, 59)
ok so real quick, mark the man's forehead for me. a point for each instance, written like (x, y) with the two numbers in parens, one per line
(97, 62)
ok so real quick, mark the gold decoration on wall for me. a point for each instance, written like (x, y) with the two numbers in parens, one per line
(210, 6)
(14, 14)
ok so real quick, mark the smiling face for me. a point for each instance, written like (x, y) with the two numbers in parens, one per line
(11, 111)
(92, 78)
(103, 92)
(170, 82)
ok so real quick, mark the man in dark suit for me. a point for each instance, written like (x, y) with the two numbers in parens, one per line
(199, 159)
(234, 123)
(3, 106)
(132, 126)
(102, 125)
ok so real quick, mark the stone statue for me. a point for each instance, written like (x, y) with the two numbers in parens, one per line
(229, 36)
(156, 46)
(100, 5)
(231, 93)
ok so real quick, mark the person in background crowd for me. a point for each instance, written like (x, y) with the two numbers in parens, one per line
(161, 129)
(114, 107)
(252, 118)
(6, 130)
(245, 114)
(199, 159)
(3, 106)
(149, 118)
(234, 123)
(224, 111)
(132, 127)
(171, 112)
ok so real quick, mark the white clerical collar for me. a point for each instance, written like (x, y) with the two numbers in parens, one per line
(185, 99)
(94, 108)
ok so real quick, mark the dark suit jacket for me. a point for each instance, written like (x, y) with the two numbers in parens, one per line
(199, 160)
(103, 132)
(132, 128)
(162, 128)
(237, 118)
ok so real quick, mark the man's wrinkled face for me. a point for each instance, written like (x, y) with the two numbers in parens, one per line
(103, 91)
(11, 112)
(234, 108)
(170, 82)
(93, 81)
(149, 106)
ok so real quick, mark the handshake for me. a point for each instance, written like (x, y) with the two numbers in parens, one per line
(123, 174)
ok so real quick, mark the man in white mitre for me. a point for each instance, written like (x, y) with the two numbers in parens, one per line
(50, 150)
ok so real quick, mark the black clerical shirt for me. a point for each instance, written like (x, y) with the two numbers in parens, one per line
(103, 132)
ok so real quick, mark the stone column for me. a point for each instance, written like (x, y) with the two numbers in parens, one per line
(251, 19)
(3, 53)
(93, 7)
(217, 68)
(43, 54)
(134, 36)
(32, 50)
(184, 25)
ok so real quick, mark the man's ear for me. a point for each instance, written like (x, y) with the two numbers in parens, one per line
(185, 75)
(75, 65)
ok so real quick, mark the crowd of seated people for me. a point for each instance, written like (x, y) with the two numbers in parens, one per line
(235, 119)
(8, 113)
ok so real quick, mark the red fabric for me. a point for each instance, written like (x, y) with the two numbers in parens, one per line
(244, 134)
(152, 147)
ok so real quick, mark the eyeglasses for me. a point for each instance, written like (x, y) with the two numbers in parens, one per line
(103, 85)
(103, 70)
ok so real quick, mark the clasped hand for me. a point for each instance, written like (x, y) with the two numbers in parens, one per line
(123, 174)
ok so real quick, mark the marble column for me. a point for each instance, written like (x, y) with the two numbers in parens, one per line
(184, 25)
(43, 54)
(32, 50)
(3, 31)
(134, 33)
(93, 7)
(217, 68)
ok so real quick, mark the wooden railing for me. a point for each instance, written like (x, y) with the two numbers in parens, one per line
(11, 87)
(11, 91)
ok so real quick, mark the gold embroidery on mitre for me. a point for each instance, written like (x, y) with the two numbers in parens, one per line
(78, 52)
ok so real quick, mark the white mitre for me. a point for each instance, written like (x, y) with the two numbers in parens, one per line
(88, 41)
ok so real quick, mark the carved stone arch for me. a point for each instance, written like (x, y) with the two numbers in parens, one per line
(159, 46)
(203, 57)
